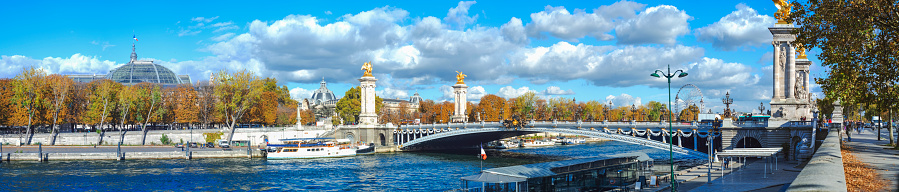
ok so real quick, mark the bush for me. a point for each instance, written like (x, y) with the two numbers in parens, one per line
(165, 139)
(211, 137)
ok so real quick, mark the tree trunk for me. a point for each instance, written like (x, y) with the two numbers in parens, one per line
(29, 131)
(890, 127)
(102, 132)
(231, 136)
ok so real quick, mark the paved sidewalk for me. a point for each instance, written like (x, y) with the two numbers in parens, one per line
(868, 149)
(752, 177)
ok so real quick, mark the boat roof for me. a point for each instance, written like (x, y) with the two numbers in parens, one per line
(520, 173)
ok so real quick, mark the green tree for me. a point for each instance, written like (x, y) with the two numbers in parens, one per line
(349, 107)
(858, 47)
(525, 104)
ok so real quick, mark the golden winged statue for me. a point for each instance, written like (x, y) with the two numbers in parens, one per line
(801, 49)
(367, 68)
(460, 78)
(783, 10)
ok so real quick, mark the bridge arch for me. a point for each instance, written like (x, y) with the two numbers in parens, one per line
(472, 137)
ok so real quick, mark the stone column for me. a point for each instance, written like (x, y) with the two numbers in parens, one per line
(784, 62)
(778, 72)
(790, 70)
(460, 94)
(367, 114)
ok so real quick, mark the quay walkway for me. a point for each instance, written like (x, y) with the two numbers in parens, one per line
(868, 149)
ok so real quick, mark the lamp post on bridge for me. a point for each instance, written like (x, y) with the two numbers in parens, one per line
(608, 109)
(761, 108)
(669, 75)
(634, 112)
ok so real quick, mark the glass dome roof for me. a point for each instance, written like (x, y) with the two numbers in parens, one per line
(138, 71)
(323, 95)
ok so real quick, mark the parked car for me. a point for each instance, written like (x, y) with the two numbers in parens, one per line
(193, 144)
(179, 145)
(210, 145)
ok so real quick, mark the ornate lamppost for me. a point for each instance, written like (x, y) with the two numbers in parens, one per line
(727, 101)
(669, 75)
(761, 108)
(634, 112)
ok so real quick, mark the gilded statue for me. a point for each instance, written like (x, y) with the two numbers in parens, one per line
(801, 49)
(460, 78)
(367, 68)
(783, 11)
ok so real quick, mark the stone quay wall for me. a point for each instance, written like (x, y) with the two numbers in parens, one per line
(253, 135)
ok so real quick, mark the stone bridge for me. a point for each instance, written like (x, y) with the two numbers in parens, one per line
(689, 138)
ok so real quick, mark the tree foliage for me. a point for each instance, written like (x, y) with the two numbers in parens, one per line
(859, 50)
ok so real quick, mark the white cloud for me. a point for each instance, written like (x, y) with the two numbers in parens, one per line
(300, 93)
(553, 90)
(601, 65)
(76, 64)
(743, 27)
(623, 100)
(392, 93)
(187, 32)
(511, 92)
(104, 45)
(459, 15)
(560, 23)
(223, 37)
(711, 72)
(660, 25)
(223, 26)
(475, 93)
(514, 31)
(204, 19)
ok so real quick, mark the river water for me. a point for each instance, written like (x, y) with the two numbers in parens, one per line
(417, 171)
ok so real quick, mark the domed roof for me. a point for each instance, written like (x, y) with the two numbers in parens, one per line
(322, 94)
(415, 98)
(137, 71)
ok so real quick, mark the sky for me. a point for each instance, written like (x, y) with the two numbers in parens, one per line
(586, 50)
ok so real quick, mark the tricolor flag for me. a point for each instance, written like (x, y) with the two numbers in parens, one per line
(135, 37)
(483, 154)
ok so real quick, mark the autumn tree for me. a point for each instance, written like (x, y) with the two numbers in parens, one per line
(101, 99)
(186, 108)
(236, 92)
(491, 106)
(59, 90)
(148, 97)
(6, 105)
(27, 88)
(206, 103)
(126, 98)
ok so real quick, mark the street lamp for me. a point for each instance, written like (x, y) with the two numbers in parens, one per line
(669, 75)
(634, 112)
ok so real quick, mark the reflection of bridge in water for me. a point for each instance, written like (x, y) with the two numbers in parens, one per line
(689, 139)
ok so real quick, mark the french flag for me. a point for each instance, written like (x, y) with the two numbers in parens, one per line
(483, 154)
(135, 37)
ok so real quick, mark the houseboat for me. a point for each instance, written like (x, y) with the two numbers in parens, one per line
(307, 148)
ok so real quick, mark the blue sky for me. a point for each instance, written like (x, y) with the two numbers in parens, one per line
(587, 50)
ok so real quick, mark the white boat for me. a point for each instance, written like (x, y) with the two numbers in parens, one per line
(537, 143)
(307, 148)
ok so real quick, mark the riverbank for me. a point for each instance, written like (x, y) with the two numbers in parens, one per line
(65, 153)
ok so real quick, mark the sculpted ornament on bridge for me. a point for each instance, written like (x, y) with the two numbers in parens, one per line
(460, 78)
(367, 68)
(783, 11)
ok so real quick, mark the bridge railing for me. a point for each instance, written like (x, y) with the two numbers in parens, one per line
(824, 171)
